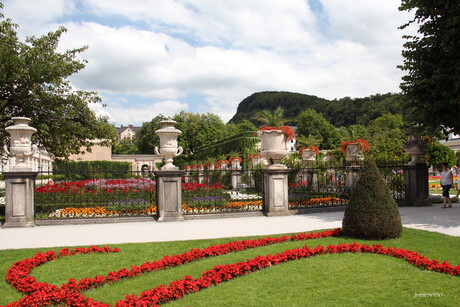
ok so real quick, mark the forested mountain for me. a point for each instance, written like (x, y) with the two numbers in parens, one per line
(339, 112)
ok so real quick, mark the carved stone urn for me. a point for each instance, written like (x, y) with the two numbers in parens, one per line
(414, 147)
(20, 141)
(273, 145)
(353, 152)
(168, 144)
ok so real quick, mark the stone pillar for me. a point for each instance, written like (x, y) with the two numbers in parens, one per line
(236, 180)
(416, 180)
(275, 195)
(19, 208)
(169, 195)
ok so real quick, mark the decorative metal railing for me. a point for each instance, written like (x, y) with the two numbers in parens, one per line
(221, 191)
(122, 195)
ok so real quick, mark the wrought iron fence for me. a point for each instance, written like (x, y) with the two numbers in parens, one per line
(98, 195)
(221, 191)
(330, 184)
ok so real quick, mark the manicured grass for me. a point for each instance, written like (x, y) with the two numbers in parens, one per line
(333, 280)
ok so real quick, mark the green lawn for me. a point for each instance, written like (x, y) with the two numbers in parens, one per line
(332, 280)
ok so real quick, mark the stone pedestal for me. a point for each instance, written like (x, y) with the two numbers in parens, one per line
(20, 190)
(169, 195)
(236, 180)
(275, 190)
(416, 179)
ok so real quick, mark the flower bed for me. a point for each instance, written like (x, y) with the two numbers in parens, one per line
(69, 294)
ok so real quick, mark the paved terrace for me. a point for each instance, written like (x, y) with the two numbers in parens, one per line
(433, 218)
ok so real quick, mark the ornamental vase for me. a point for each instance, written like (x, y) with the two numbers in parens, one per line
(168, 144)
(273, 145)
(308, 155)
(20, 141)
(353, 152)
(414, 147)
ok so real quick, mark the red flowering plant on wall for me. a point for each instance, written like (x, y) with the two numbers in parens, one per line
(255, 156)
(362, 145)
(69, 294)
(236, 159)
(285, 129)
(315, 149)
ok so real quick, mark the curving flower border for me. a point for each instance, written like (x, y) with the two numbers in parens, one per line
(39, 294)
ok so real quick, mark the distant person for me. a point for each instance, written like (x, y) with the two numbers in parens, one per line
(457, 172)
(447, 179)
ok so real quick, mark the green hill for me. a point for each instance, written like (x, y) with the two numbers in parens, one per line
(339, 112)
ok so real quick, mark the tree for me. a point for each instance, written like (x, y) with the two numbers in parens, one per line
(269, 118)
(126, 146)
(310, 140)
(146, 139)
(198, 130)
(388, 137)
(432, 84)
(312, 123)
(439, 153)
(33, 83)
(372, 212)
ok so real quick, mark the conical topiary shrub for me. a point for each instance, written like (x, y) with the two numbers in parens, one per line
(372, 213)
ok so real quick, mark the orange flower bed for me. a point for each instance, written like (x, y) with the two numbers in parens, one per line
(103, 212)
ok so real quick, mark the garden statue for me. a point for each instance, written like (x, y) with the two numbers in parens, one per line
(168, 144)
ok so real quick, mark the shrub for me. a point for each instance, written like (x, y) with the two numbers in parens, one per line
(372, 213)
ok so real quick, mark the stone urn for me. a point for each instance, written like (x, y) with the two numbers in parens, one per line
(20, 141)
(235, 163)
(256, 160)
(223, 164)
(353, 152)
(273, 145)
(168, 144)
(414, 147)
(308, 155)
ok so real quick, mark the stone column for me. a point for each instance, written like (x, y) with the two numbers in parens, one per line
(275, 195)
(20, 179)
(417, 190)
(416, 176)
(19, 209)
(169, 195)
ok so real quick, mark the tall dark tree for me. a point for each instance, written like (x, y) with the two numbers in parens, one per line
(431, 58)
(33, 83)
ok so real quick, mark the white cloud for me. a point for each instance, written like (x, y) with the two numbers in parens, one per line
(223, 50)
(120, 113)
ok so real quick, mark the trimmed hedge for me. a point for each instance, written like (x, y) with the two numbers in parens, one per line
(92, 169)
(372, 212)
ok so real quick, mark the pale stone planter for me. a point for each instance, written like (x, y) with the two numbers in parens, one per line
(21, 142)
(414, 147)
(354, 152)
(168, 144)
(273, 145)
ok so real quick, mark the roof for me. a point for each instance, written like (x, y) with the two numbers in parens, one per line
(122, 128)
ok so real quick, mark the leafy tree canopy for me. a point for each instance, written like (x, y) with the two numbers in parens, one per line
(33, 83)
(312, 123)
(431, 59)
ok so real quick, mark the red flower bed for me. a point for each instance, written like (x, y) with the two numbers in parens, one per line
(39, 294)
(98, 185)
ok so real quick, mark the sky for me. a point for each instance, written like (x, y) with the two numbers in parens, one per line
(151, 57)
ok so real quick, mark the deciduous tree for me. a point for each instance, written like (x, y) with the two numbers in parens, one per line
(431, 59)
(33, 83)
